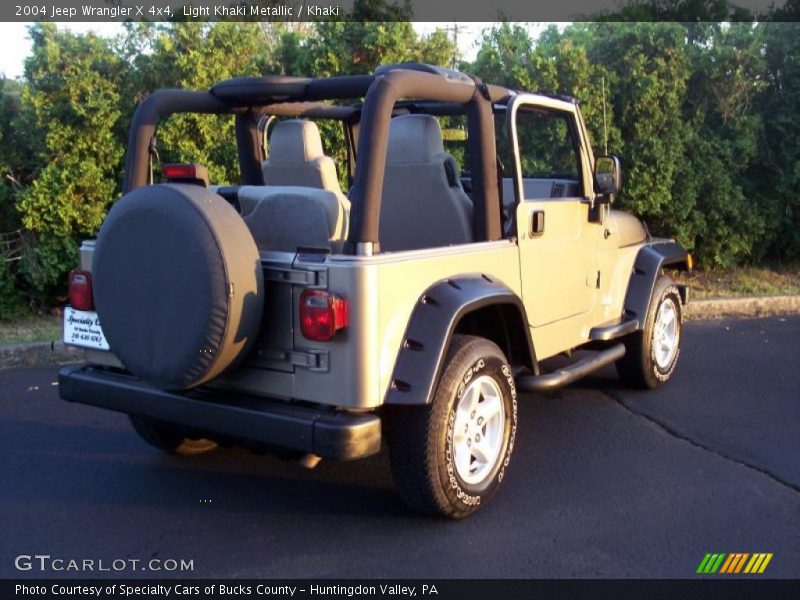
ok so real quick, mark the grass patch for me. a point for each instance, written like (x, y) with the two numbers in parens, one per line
(743, 281)
(33, 328)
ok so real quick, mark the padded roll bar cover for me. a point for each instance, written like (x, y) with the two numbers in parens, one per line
(373, 136)
(249, 90)
(178, 284)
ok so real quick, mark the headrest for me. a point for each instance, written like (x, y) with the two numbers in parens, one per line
(414, 139)
(293, 142)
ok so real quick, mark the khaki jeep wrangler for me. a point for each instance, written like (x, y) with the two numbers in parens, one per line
(285, 314)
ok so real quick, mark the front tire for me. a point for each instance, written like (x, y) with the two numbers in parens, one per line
(449, 458)
(169, 438)
(651, 355)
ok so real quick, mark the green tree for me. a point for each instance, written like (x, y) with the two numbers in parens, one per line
(647, 93)
(678, 11)
(72, 102)
(506, 57)
(194, 56)
(774, 176)
(352, 48)
(12, 167)
(70, 108)
(643, 67)
(719, 215)
(570, 70)
(11, 302)
(704, 114)
(9, 107)
(680, 111)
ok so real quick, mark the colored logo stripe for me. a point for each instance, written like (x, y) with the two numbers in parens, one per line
(758, 563)
(734, 563)
(727, 564)
(710, 563)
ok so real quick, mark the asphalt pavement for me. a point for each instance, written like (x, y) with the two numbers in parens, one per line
(605, 481)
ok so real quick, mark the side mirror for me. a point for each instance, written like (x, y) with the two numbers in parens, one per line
(607, 175)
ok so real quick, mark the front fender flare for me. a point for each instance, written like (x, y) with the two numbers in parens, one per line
(438, 311)
(651, 258)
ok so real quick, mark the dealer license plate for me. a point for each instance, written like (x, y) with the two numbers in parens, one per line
(82, 328)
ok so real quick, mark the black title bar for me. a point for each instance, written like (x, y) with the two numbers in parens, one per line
(66, 11)
(433, 589)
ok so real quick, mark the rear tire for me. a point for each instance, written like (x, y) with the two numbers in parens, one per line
(449, 458)
(651, 355)
(169, 438)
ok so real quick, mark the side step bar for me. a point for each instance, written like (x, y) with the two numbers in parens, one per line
(566, 375)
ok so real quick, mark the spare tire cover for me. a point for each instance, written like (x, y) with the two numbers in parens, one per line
(177, 284)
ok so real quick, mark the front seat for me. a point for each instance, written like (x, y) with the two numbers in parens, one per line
(423, 204)
(296, 157)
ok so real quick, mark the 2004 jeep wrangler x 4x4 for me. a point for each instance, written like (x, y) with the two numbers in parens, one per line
(285, 315)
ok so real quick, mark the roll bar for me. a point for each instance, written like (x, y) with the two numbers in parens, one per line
(249, 98)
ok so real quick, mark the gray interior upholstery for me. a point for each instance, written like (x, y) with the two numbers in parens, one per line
(421, 207)
(288, 217)
(296, 157)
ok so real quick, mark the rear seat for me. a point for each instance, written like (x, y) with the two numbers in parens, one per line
(301, 204)
(289, 217)
(296, 157)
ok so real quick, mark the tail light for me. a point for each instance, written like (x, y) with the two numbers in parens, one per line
(80, 290)
(322, 314)
(186, 173)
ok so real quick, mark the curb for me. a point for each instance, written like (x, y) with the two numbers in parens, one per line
(56, 353)
(38, 353)
(753, 306)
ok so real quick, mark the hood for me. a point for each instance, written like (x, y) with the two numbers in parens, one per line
(628, 228)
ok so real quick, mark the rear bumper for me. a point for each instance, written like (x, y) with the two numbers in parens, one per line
(329, 434)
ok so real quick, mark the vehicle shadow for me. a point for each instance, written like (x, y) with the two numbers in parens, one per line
(107, 463)
(115, 468)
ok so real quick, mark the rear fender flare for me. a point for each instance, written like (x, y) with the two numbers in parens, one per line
(433, 322)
